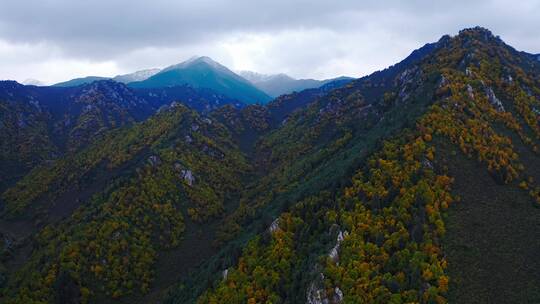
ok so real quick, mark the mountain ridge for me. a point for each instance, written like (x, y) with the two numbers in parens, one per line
(380, 190)
(280, 84)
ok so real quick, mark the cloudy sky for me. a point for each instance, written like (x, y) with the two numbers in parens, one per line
(55, 40)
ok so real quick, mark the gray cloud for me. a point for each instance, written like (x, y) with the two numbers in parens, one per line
(305, 38)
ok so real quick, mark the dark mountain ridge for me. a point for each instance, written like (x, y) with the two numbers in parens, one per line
(42, 123)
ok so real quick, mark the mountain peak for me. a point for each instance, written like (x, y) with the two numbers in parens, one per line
(476, 30)
(198, 60)
(204, 72)
(204, 59)
(478, 33)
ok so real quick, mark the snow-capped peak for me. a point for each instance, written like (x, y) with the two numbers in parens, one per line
(34, 82)
(198, 59)
(136, 76)
(255, 77)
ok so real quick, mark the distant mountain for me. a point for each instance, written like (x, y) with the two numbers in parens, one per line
(126, 78)
(136, 76)
(34, 82)
(203, 72)
(79, 81)
(279, 84)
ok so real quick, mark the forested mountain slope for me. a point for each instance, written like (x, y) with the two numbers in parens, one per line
(416, 184)
(106, 242)
(43, 123)
(401, 229)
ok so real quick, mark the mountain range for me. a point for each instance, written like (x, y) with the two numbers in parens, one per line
(280, 84)
(203, 72)
(418, 183)
(126, 78)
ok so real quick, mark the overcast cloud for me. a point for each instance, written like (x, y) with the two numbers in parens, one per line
(55, 40)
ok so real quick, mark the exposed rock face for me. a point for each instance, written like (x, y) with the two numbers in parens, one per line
(470, 91)
(408, 80)
(427, 164)
(334, 252)
(316, 293)
(443, 82)
(225, 273)
(338, 295)
(154, 160)
(274, 226)
(493, 100)
(187, 175)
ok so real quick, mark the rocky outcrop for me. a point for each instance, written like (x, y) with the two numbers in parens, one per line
(470, 91)
(154, 160)
(188, 177)
(408, 80)
(225, 274)
(426, 163)
(443, 82)
(493, 100)
(338, 295)
(334, 252)
(316, 293)
(274, 226)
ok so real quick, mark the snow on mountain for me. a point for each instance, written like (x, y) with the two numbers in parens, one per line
(34, 82)
(279, 84)
(137, 76)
